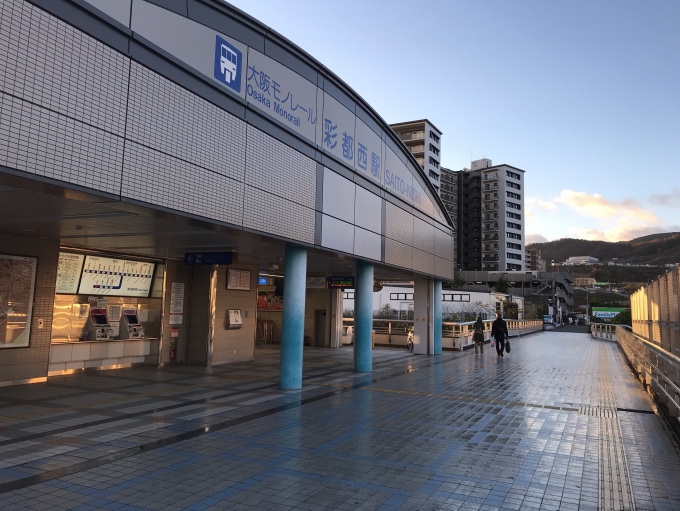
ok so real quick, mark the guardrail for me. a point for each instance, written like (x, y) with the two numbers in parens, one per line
(455, 335)
(655, 367)
(603, 331)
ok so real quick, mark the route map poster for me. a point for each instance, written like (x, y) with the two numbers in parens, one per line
(17, 284)
(116, 277)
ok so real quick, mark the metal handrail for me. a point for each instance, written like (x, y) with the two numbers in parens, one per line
(451, 328)
(641, 354)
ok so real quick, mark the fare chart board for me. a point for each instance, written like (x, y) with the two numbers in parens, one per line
(68, 272)
(116, 277)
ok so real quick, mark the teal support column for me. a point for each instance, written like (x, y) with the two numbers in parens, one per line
(293, 327)
(363, 318)
(437, 316)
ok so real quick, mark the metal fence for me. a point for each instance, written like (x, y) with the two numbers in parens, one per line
(656, 367)
(454, 335)
(655, 311)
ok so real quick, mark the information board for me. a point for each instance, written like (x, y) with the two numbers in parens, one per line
(239, 280)
(69, 269)
(116, 277)
(17, 282)
(176, 303)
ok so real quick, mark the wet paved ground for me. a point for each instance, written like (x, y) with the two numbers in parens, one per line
(559, 423)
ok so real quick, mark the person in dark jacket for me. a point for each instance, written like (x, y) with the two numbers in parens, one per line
(499, 331)
(478, 334)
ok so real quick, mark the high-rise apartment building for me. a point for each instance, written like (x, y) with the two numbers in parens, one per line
(490, 217)
(449, 196)
(423, 140)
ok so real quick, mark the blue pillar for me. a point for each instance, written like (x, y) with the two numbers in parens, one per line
(363, 318)
(293, 328)
(437, 316)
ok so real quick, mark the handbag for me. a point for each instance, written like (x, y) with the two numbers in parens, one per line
(492, 343)
(507, 346)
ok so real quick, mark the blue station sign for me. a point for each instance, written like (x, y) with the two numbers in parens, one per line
(197, 258)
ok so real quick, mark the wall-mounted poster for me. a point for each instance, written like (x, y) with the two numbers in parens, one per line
(17, 283)
(239, 280)
(68, 273)
(268, 301)
(116, 277)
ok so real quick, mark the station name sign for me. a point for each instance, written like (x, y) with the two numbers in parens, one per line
(199, 258)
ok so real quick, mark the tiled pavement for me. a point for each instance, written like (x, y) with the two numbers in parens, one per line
(451, 432)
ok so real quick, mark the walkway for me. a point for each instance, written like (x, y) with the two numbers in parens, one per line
(559, 423)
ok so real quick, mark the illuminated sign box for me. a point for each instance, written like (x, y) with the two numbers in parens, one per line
(340, 282)
(116, 277)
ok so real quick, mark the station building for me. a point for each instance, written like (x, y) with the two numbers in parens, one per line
(175, 175)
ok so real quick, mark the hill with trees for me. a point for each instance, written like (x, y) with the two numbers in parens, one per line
(656, 249)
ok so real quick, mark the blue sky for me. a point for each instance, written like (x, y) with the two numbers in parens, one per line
(583, 95)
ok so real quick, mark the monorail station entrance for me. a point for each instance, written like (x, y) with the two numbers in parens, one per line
(178, 186)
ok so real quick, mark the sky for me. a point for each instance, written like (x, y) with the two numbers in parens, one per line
(583, 95)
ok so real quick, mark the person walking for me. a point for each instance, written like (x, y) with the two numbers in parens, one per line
(478, 335)
(499, 331)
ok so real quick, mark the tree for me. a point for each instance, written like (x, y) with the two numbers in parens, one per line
(385, 312)
(502, 284)
(510, 310)
(623, 318)
(458, 281)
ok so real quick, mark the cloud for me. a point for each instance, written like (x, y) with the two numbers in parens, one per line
(671, 200)
(615, 220)
(532, 203)
(596, 206)
(536, 238)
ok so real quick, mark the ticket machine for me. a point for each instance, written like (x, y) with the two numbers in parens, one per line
(98, 324)
(130, 327)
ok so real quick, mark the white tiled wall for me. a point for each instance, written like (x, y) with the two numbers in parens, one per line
(52, 64)
(157, 178)
(276, 168)
(398, 224)
(63, 105)
(398, 254)
(103, 354)
(270, 213)
(170, 119)
(43, 142)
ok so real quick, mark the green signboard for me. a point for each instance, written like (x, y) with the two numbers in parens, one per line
(607, 312)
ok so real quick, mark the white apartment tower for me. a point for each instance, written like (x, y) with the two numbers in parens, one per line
(424, 141)
(503, 239)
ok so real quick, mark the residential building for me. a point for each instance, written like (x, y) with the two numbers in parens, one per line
(533, 260)
(544, 289)
(423, 139)
(469, 227)
(581, 260)
(449, 196)
(490, 228)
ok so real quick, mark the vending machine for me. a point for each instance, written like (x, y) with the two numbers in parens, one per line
(130, 327)
(98, 323)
